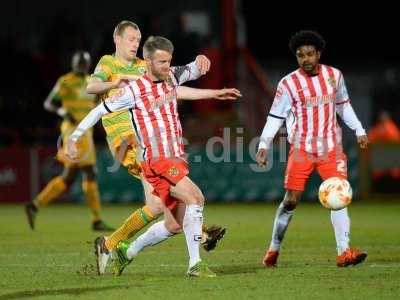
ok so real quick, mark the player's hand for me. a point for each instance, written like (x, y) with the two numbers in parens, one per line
(261, 157)
(363, 141)
(71, 150)
(227, 94)
(203, 63)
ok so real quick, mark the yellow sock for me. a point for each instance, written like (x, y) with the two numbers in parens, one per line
(92, 195)
(136, 221)
(53, 189)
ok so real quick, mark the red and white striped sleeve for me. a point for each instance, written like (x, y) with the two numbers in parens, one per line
(121, 99)
(186, 73)
(277, 115)
(342, 96)
(345, 110)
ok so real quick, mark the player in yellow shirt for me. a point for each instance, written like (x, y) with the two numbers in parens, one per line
(70, 101)
(112, 72)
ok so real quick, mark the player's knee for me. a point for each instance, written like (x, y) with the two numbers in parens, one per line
(156, 208)
(291, 200)
(173, 228)
(91, 176)
(198, 197)
(68, 178)
(89, 173)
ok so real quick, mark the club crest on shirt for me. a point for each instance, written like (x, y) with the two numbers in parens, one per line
(169, 81)
(332, 82)
(173, 171)
(141, 70)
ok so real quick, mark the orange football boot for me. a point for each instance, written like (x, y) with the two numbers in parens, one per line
(350, 257)
(270, 259)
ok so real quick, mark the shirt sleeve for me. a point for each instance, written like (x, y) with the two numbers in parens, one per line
(102, 71)
(282, 103)
(342, 95)
(186, 73)
(55, 92)
(120, 99)
(88, 122)
(349, 117)
(279, 112)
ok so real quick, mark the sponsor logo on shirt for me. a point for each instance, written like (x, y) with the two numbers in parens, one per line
(163, 99)
(319, 100)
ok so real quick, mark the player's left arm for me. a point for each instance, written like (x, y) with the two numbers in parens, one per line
(346, 112)
(187, 93)
(124, 98)
(191, 71)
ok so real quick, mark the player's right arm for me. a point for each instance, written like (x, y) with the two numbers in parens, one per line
(53, 102)
(279, 111)
(100, 81)
(122, 99)
(97, 86)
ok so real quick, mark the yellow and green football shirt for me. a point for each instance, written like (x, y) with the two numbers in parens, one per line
(119, 125)
(70, 93)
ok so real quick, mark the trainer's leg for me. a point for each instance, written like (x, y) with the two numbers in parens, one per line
(56, 187)
(154, 203)
(335, 165)
(341, 225)
(156, 233)
(190, 194)
(138, 219)
(91, 191)
(283, 216)
(52, 191)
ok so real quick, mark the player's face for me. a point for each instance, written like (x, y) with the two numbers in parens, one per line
(160, 64)
(128, 43)
(308, 58)
(81, 63)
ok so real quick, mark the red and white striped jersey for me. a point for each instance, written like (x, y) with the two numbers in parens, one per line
(154, 110)
(308, 103)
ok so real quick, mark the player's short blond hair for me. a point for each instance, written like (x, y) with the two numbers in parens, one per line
(154, 43)
(121, 26)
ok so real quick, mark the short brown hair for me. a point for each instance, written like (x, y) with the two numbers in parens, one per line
(121, 26)
(154, 43)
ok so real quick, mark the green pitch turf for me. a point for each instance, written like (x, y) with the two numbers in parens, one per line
(54, 261)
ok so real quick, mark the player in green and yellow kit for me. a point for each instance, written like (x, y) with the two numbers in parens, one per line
(70, 101)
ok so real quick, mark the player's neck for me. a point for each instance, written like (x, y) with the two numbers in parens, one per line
(152, 76)
(121, 58)
(314, 72)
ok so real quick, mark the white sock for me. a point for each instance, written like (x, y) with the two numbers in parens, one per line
(192, 227)
(154, 235)
(341, 225)
(281, 223)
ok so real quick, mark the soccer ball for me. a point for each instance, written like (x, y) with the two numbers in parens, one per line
(335, 193)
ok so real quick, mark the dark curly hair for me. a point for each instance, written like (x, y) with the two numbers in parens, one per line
(306, 37)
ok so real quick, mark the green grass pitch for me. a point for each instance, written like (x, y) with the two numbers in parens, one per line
(49, 263)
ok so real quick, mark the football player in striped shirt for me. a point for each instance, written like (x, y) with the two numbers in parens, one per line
(309, 100)
(153, 98)
(113, 71)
